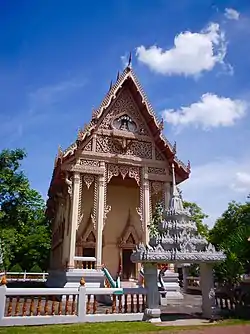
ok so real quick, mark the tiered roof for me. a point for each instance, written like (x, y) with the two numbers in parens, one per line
(177, 239)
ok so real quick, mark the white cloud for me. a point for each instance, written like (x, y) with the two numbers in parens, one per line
(232, 14)
(210, 111)
(241, 182)
(53, 93)
(192, 53)
(215, 184)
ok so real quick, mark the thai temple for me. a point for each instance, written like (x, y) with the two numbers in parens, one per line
(106, 185)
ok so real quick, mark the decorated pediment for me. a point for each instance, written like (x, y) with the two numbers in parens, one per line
(123, 114)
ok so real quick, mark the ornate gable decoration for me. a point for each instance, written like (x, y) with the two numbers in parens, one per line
(121, 113)
(124, 115)
(124, 118)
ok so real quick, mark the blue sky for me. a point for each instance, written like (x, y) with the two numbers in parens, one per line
(192, 57)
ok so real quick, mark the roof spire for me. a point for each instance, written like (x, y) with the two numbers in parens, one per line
(111, 84)
(130, 60)
(175, 202)
(118, 76)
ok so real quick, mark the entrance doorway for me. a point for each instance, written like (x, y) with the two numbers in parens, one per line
(128, 267)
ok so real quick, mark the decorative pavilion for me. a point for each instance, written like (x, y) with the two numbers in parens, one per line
(177, 241)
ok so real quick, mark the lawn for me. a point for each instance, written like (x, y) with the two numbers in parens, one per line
(121, 328)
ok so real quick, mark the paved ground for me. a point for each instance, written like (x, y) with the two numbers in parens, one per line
(188, 308)
(239, 329)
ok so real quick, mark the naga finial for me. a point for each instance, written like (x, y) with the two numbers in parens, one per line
(94, 113)
(118, 76)
(174, 148)
(59, 152)
(111, 84)
(161, 125)
(130, 60)
(79, 134)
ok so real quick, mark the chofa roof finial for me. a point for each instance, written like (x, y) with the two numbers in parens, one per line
(111, 84)
(59, 152)
(130, 60)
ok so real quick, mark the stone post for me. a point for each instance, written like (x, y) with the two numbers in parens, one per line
(100, 216)
(185, 275)
(207, 288)
(74, 218)
(152, 312)
(146, 204)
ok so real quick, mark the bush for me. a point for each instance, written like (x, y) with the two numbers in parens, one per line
(16, 268)
(36, 269)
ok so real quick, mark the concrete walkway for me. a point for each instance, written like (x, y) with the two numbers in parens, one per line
(185, 322)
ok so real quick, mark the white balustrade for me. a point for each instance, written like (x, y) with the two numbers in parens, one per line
(84, 262)
(32, 306)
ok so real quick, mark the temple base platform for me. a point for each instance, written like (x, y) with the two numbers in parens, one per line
(70, 278)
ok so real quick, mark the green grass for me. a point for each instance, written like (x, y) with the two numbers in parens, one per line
(110, 328)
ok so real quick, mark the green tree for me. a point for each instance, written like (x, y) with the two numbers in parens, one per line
(24, 231)
(156, 220)
(198, 217)
(230, 234)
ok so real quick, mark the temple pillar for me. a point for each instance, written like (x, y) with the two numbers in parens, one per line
(146, 205)
(152, 312)
(100, 217)
(74, 218)
(207, 288)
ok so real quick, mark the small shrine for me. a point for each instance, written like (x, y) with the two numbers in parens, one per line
(176, 240)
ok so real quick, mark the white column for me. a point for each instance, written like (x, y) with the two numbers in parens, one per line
(207, 288)
(100, 216)
(65, 235)
(167, 195)
(152, 311)
(146, 204)
(74, 218)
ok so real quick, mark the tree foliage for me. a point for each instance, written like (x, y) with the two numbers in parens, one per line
(157, 218)
(198, 217)
(24, 231)
(230, 234)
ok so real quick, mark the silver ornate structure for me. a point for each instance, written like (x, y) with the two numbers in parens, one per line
(177, 241)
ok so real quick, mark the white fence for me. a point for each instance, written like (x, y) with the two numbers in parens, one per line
(24, 276)
(32, 306)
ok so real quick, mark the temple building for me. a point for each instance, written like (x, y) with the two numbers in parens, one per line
(105, 185)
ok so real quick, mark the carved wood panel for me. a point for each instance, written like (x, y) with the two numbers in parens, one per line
(124, 104)
(140, 149)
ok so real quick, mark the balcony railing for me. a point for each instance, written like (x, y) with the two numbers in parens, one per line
(85, 262)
